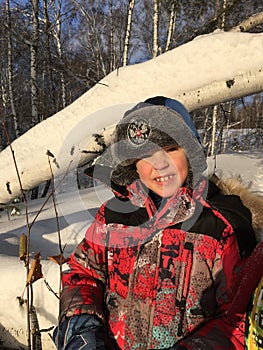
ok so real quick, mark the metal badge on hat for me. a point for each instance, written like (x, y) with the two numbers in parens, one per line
(138, 131)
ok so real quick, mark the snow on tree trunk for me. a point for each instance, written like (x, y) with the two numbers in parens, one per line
(199, 73)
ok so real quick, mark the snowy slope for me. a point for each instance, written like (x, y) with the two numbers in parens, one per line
(75, 210)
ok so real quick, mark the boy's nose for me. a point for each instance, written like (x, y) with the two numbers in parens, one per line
(159, 160)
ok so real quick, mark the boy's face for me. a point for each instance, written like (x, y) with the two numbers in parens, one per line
(164, 171)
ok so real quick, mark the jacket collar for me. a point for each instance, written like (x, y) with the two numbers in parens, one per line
(178, 208)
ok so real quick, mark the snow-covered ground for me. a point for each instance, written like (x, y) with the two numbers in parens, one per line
(208, 61)
(75, 211)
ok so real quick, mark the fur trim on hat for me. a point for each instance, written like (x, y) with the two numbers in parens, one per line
(147, 128)
(144, 130)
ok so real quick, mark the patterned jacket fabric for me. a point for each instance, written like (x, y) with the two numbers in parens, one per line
(160, 277)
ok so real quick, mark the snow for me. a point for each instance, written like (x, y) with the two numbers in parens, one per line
(206, 62)
(207, 59)
(76, 210)
(246, 165)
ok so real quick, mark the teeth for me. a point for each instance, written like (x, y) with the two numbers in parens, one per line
(164, 178)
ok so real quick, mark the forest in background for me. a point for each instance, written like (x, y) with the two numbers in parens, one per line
(53, 51)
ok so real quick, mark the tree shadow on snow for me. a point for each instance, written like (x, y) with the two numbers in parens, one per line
(8, 341)
(44, 236)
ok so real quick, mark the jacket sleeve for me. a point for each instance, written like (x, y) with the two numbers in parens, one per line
(83, 285)
(220, 332)
(77, 331)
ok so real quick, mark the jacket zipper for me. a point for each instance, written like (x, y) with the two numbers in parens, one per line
(184, 283)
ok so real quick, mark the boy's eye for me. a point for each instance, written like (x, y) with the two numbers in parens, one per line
(172, 148)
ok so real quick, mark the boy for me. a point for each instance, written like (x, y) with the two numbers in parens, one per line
(158, 266)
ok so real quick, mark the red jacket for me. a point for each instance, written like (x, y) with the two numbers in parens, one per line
(160, 277)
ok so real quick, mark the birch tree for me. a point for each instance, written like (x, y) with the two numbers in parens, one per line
(10, 70)
(57, 35)
(128, 32)
(249, 23)
(47, 70)
(171, 26)
(215, 114)
(112, 55)
(33, 61)
(223, 17)
(214, 130)
(94, 26)
(155, 28)
(207, 129)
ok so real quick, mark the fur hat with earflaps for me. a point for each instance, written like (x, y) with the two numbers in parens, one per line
(158, 122)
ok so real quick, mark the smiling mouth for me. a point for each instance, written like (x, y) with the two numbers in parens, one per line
(164, 178)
